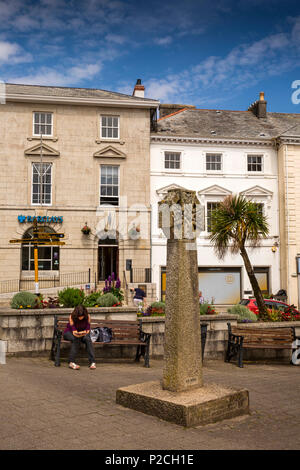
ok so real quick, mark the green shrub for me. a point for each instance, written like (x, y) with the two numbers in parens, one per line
(206, 309)
(91, 300)
(245, 315)
(71, 297)
(107, 300)
(25, 300)
(117, 292)
(203, 308)
(158, 305)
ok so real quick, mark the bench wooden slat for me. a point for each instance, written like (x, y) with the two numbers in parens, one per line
(266, 346)
(257, 338)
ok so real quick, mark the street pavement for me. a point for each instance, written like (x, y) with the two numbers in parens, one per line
(45, 407)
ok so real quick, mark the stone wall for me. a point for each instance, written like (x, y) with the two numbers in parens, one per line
(216, 334)
(32, 330)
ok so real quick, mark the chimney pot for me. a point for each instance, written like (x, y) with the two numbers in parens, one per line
(259, 107)
(139, 89)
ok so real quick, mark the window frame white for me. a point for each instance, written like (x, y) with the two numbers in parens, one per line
(172, 152)
(206, 212)
(112, 116)
(255, 172)
(214, 154)
(39, 203)
(41, 124)
(102, 165)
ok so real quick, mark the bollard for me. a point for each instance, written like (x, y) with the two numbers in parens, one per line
(3, 346)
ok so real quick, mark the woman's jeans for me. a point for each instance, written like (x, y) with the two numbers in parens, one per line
(75, 346)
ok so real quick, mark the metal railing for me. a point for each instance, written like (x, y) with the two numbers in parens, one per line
(141, 275)
(125, 287)
(61, 280)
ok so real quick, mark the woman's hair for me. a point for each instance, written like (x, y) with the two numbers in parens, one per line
(79, 311)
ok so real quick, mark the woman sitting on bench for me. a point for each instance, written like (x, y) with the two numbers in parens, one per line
(78, 330)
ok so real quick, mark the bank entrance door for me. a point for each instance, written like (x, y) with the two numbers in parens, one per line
(108, 259)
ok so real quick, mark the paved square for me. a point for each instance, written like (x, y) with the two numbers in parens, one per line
(45, 407)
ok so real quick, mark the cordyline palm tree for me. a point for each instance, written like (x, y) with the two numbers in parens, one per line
(235, 222)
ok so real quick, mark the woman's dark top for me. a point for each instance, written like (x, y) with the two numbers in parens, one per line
(80, 325)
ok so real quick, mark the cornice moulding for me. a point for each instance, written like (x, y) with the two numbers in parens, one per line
(81, 101)
(207, 140)
(289, 140)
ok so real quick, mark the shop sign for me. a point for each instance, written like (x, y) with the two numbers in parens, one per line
(23, 219)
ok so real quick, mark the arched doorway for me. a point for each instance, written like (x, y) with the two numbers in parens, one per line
(108, 258)
(48, 256)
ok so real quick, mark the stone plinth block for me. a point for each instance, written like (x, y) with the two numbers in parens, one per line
(208, 404)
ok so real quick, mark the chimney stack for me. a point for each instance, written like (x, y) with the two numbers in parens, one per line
(139, 89)
(259, 108)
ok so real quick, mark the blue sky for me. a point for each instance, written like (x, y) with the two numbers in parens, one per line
(213, 54)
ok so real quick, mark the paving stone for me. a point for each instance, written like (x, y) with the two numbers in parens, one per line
(41, 405)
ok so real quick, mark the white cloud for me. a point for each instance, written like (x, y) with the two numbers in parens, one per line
(115, 38)
(216, 76)
(165, 89)
(50, 77)
(164, 41)
(12, 53)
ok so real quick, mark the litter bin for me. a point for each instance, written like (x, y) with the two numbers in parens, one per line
(3, 346)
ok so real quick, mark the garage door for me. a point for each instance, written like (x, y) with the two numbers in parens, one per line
(220, 285)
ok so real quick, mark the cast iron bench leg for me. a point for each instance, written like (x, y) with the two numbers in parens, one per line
(146, 354)
(138, 354)
(227, 357)
(57, 356)
(241, 350)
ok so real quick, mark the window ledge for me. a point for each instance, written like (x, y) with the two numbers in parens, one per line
(35, 137)
(115, 141)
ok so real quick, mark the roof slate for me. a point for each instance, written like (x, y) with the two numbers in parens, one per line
(228, 124)
(40, 90)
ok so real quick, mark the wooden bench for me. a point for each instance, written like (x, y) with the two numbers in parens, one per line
(240, 338)
(125, 333)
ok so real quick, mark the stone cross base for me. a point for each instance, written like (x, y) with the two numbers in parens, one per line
(208, 404)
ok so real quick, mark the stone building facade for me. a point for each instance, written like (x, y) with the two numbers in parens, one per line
(73, 158)
(288, 145)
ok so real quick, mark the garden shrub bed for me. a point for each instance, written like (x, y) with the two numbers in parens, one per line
(111, 296)
(245, 315)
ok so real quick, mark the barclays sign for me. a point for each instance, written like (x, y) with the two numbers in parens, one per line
(40, 220)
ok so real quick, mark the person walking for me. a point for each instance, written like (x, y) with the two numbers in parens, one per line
(139, 296)
(77, 331)
(201, 298)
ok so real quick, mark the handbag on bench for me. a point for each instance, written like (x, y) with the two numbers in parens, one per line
(101, 335)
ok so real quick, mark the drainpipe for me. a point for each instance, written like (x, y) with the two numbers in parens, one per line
(151, 273)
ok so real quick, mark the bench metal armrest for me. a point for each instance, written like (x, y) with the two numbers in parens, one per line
(145, 336)
(233, 336)
(57, 331)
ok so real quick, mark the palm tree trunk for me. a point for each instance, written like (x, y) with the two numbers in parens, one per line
(263, 312)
